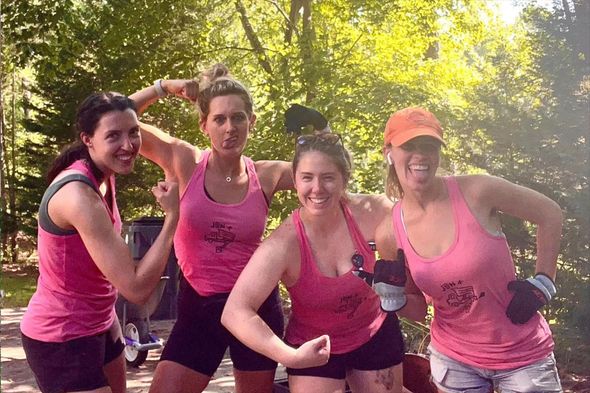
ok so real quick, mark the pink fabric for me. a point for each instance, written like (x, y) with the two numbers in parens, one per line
(214, 241)
(73, 298)
(468, 287)
(344, 307)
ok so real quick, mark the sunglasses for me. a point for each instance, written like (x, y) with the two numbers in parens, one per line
(324, 137)
(358, 261)
(424, 147)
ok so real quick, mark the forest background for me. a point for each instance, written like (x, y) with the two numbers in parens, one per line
(513, 99)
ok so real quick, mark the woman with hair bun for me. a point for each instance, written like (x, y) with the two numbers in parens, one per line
(225, 199)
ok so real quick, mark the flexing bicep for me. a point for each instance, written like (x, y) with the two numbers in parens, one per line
(174, 156)
(261, 275)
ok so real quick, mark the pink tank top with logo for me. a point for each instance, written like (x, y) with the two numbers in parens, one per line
(468, 287)
(345, 307)
(73, 298)
(214, 241)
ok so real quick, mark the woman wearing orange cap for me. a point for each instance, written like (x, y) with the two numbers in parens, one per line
(486, 331)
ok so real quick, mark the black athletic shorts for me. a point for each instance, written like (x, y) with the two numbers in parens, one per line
(385, 349)
(198, 339)
(75, 365)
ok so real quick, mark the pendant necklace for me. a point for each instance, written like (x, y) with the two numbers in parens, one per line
(228, 179)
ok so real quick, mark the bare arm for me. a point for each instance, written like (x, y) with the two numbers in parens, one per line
(497, 194)
(184, 88)
(415, 308)
(274, 176)
(266, 267)
(176, 157)
(81, 207)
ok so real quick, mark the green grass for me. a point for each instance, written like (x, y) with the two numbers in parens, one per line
(18, 287)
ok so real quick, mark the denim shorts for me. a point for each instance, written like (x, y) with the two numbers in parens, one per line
(452, 376)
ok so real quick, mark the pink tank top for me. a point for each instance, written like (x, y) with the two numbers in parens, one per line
(467, 285)
(346, 308)
(214, 241)
(73, 298)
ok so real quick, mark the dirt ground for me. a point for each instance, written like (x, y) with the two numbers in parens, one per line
(17, 377)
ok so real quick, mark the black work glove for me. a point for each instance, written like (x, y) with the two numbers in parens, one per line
(389, 282)
(529, 296)
(298, 116)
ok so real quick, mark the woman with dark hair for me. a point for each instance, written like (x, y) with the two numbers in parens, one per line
(70, 332)
(338, 330)
(225, 199)
(486, 331)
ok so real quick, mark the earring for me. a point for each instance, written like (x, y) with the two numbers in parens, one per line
(389, 159)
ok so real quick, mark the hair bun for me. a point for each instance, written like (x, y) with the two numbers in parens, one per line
(211, 74)
(219, 70)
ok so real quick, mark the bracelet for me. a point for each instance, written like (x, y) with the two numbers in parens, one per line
(160, 89)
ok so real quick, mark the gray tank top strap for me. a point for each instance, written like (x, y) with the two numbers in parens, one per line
(44, 219)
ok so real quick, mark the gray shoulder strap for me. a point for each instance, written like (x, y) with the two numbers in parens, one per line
(44, 219)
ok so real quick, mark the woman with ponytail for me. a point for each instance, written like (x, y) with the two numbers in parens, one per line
(225, 199)
(70, 332)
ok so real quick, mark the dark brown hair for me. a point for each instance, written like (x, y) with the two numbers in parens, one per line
(89, 113)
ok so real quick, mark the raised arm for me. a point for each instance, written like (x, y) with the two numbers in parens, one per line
(275, 176)
(387, 247)
(269, 263)
(176, 157)
(184, 88)
(79, 206)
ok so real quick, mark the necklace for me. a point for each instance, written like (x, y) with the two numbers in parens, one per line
(228, 179)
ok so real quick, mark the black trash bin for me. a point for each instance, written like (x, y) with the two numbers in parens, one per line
(135, 318)
(141, 235)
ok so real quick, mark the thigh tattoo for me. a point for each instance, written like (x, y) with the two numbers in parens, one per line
(385, 377)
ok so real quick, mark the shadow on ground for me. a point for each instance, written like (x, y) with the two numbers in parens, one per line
(18, 378)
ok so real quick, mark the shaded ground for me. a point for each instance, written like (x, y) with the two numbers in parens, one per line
(17, 377)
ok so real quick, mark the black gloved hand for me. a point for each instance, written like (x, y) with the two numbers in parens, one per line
(364, 275)
(298, 116)
(389, 281)
(529, 296)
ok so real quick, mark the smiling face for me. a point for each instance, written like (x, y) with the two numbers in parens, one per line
(228, 124)
(115, 143)
(319, 183)
(415, 162)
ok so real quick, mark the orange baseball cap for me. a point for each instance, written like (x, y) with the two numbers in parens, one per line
(410, 123)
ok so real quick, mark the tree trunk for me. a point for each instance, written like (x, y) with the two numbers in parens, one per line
(12, 175)
(307, 55)
(3, 203)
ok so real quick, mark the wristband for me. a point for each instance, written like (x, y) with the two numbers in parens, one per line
(544, 284)
(160, 89)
